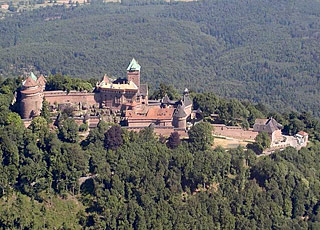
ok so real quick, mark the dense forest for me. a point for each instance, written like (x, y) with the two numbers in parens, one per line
(115, 179)
(263, 51)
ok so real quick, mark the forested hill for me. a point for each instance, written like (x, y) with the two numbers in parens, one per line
(264, 51)
(139, 181)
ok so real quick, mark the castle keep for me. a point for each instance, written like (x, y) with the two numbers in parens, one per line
(111, 96)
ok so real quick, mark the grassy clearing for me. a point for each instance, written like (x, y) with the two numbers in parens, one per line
(228, 143)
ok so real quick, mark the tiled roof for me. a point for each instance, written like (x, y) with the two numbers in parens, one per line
(128, 85)
(260, 121)
(267, 125)
(166, 100)
(186, 100)
(272, 125)
(30, 82)
(41, 80)
(302, 133)
(179, 112)
(30, 91)
(154, 113)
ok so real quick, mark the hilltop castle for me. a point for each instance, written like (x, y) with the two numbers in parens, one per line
(126, 95)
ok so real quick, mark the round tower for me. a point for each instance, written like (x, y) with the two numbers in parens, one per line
(31, 98)
(180, 117)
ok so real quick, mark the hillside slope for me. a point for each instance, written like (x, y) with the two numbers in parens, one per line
(264, 51)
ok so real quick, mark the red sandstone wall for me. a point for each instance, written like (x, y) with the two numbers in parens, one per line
(234, 132)
(164, 131)
(135, 77)
(276, 136)
(61, 97)
(146, 123)
(29, 103)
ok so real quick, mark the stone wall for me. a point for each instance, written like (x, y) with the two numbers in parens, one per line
(74, 97)
(276, 136)
(159, 130)
(30, 104)
(234, 132)
(147, 122)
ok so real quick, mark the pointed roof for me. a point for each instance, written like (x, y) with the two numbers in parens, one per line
(33, 76)
(273, 125)
(186, 99)
(41, 80)
(134, 66)
(165, 99)
(30, 82)
(268, 125)
(106, 79)
(180, 112)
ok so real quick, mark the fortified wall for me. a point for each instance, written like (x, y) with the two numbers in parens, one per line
(73, 97)
(234, 132)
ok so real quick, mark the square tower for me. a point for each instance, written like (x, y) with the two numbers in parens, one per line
(133, 73)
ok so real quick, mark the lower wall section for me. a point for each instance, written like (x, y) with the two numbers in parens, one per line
(164, 131)
(234, 132)
(93, 122)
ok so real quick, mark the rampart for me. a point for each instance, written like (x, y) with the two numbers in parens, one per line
(160, 130)
(234, 132)
(74, 97)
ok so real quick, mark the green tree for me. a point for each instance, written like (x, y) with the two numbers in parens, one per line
(263, 139)
(45, 112)
(165, 90)
(200, 136)
(68, 130)
(14, 118)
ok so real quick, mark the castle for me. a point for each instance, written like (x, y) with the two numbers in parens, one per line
(127, 95)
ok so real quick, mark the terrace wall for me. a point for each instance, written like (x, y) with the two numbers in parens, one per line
(234, 132)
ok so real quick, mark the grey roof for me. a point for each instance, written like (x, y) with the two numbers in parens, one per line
(179, 112)
(144, 89)
(272, 125)
(186, 100)
(166, 100)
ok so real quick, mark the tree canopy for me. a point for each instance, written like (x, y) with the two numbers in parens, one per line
(263, 51)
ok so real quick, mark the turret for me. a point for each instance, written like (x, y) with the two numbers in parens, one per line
(31, 97)
(180, 117)
(186, 100)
